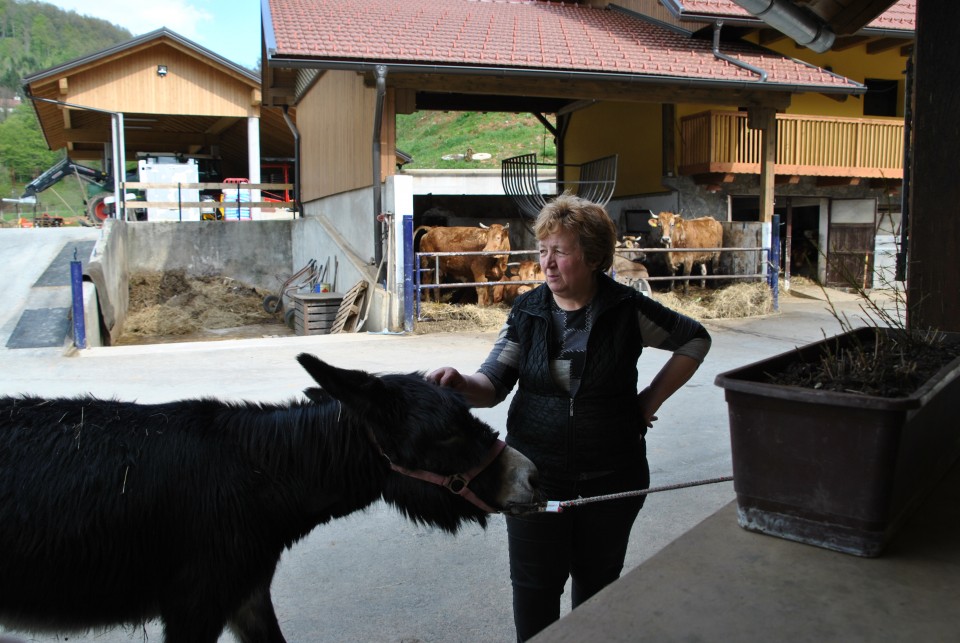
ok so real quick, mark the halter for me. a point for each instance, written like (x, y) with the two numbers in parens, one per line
(458, 483)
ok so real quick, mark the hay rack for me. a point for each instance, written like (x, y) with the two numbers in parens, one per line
(524, 180)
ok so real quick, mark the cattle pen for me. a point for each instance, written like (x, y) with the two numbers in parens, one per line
(751, 263)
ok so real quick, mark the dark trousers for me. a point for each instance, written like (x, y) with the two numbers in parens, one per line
(587, 543)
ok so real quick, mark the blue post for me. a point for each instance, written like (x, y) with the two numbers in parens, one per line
(774, 274)
(408, 290)
(76, 288)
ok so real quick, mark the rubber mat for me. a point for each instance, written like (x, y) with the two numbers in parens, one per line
(41, 328)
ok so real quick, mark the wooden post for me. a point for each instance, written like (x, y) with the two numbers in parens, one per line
(765, 119)
(933, 281)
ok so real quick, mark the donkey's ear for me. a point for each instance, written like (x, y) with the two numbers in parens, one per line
(348, 386)
(317, 394)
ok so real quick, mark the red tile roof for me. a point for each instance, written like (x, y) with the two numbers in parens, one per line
(516, 34)
(900, 16)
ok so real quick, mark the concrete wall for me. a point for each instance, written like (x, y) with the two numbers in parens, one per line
(254, 252)
(107, 269)
(340, 228)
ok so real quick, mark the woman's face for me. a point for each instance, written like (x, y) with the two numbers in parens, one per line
(565, 270)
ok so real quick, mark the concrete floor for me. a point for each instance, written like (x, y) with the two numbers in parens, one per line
(373, 576)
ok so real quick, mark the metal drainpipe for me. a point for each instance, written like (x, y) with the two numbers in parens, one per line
(296, 159)
(793, 21)
(381, 71)
(731, 59)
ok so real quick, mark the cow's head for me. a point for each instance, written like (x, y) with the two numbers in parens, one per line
(667, 222)
(498, 238)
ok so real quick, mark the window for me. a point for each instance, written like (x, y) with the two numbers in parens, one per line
(881, 97)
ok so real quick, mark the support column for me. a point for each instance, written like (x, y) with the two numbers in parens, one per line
(765, 119)
(253, 160)
(933, 282)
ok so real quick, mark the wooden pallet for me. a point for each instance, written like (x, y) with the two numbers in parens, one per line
(348, 317)
(315, 313)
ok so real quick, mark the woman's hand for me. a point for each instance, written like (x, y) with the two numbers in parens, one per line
(647, 407)
(476, 388)
(447, 376)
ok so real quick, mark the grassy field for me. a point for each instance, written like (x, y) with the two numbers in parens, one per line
(430, 136)
(426, 136)
(65, 199)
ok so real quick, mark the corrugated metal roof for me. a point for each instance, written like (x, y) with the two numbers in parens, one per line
(515, 34)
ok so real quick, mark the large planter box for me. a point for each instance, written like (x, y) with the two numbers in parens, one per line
(836, 470)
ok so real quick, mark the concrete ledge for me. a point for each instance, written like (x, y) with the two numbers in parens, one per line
(719, 582)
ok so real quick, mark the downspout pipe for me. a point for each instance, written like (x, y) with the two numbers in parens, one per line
(793, 21)
(381, 72)
(730, 59)
(297, 203)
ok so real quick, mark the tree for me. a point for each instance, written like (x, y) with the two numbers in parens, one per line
(23, 149)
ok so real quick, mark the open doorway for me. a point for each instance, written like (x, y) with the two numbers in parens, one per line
(800, 231)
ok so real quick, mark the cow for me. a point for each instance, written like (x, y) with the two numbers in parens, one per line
(469, 268)
(677, 232)
(116, 512)
(631, 273)
(513, 285)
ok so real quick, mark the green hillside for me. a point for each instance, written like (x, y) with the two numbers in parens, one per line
(35, 36)
(430, 136)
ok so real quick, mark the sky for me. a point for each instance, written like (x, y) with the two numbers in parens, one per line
(229, 28)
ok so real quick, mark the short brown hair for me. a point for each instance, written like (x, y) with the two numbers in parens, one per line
(590, 222)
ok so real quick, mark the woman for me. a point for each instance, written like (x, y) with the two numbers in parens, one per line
(573, 347)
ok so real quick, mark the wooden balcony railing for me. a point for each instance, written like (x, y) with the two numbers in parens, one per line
(721, 142)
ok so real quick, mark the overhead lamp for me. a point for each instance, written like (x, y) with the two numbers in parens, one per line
(161, 70)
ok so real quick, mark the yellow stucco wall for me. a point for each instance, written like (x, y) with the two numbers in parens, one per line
(854, 63)
(632, 130)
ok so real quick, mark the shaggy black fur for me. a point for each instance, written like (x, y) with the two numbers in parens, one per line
(115, 512)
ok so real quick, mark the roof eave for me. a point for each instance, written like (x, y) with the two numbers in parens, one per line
(303, 62)
(134, 43)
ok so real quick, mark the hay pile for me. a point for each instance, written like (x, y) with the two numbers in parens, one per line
(171, 304)
(730, 302)
(738, 300)
(452, 318)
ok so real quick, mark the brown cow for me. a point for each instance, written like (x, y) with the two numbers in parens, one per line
(470, 268)
(507, 292)
(677, 232)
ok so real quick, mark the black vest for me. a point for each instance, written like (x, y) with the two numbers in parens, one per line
(600, 428)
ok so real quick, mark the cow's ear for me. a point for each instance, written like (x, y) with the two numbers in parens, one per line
(654, 222)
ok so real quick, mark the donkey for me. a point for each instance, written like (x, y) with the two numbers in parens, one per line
(115, 512)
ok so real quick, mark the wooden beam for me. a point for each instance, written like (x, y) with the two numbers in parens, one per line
(883, 44)
(765, 119)
(138, 137)
(713, 178)
(787, 179)
(933, 287)
(848, 42)
(837, 181)
(770, 36)
(854, 16)
(586, 89)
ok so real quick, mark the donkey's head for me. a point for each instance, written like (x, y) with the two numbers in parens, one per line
(448, 466)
